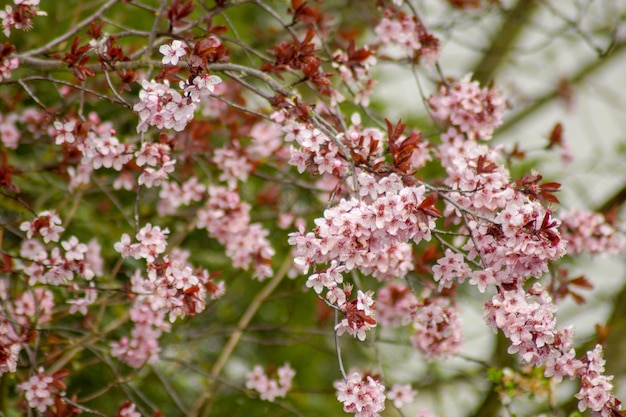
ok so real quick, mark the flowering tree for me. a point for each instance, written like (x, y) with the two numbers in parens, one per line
(206, 208)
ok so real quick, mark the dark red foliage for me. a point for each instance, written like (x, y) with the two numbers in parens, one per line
(6, 172)
(402, 149)
(561, 286)
(303, 13)
(178, 10)
(77, 59)
(530, 185)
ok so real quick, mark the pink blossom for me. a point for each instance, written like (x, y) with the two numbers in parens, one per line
(359, 316)
(9, 134)
(201, 88)
(401, 395)
(437, 326)
(39, 391)
(25, 9)
(172, 53)
(233, 163)
(472, 110)
(47, 225)
(227, 219)
(396, 305)
(9, 348)
(162, 107)
(409, 33)
(80, 305)
(361, 394)
(65, 132)
(269, 388)
(450, 268)
(74, 250)
(589, 232)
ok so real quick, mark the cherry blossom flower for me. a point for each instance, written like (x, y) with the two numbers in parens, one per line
(201, 87)
(269, 388)
(409, 33)
(227, 219)
(370, 237)
(20, 17)
(589, 232)
(172, 53)
(47, 225)
(9, 134)
(80, 305)
(34, 306)
(74, 250)
(7, 64)
(39, 390)
(437, 326)
(10, 348)
(396, 305)
(361, 394)
(450, 268)
(464, 105)
(401, 395)
(162, 107)
(65, 132)
(359, 316)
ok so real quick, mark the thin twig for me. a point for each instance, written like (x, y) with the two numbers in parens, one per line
(74, 30)
(234, 339)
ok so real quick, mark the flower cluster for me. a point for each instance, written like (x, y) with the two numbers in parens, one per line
(315, 152)
(401, 395)
(589, 232)
(361, 394)
(8, 62)
(96, 142)
(41, 389)
(21, 16)
(472, 110)
(227, 219)
(437, 326)
(162, 107)
(143, 346)
(9, 136)
(477, 180)
(268, 387)
(359, 315)
(151, 243)
(396, 305)
(233, 164)
(353, 67)
(409, 33)
(369, 237)
(171, 288)
(10, 347)
(157, 163)
(595, 388)
(449, 269)
(517, 245)
(166, 108)
(56, 267)
(47, 225)
(528, 320)
(173, 195)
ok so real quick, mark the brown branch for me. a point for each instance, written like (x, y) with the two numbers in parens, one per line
(503, 40)
(582, 74)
